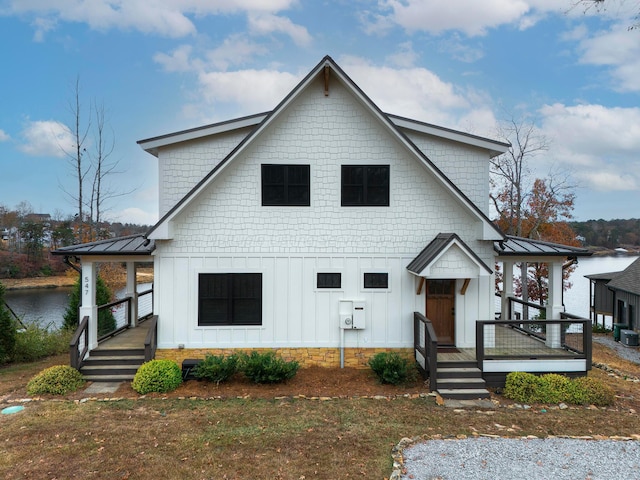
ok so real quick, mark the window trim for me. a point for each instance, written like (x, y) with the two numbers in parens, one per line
(375, 272)
(327, 272)
(365, 185)
(286, 202)
(231, 323)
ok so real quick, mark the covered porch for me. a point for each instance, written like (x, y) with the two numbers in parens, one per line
(523, 336)
(114, 352)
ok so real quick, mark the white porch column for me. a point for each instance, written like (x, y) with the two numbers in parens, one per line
(554, 304)
(507, 289)
(132, 292)
(88, 295)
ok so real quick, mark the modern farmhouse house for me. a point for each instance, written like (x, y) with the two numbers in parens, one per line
(329, 231)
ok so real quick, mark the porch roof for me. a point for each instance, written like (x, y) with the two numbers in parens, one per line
(528, 247)
(121, 246)
(437, 247)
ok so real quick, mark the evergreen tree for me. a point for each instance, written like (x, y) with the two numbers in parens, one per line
(106, 320)
(7, 330)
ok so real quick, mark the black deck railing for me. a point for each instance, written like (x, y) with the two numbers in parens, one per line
(80, 337)
(121, 311)
(151, 339)
(426, 343)
(562, 339)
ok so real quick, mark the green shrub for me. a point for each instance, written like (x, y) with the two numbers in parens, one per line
(267, 368)
(35, 342)
(522, 387)
(590, 391)
(217, 368)
(158, 376)
(7, 331)
(553, 388)
(597, 328)
(392, 368)
(106, 320)
(56, 380)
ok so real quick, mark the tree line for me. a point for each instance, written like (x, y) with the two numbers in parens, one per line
(608, 234)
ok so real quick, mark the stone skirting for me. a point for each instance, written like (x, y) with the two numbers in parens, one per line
(307, 357)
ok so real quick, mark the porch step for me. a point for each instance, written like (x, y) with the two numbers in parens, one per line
(110, 352)
(114, 360)
(112, 365)
(464, 393)
(461, 381)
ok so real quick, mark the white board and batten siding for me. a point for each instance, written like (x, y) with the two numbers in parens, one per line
(225, 229)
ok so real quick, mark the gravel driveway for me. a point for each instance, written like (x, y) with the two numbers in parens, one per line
(533, 459)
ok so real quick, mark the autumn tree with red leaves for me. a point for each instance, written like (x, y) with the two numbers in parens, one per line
(528, 207)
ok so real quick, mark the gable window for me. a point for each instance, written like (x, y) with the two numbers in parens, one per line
(229, 299)
(365, 185)
(376, 280)
(285, 185)
(329, 280)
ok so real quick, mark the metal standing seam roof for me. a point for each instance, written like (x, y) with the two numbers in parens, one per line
(523, 247)
(627, 280)
(433, 250)
(129, 245)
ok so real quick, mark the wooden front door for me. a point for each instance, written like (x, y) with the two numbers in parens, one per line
(440, 308)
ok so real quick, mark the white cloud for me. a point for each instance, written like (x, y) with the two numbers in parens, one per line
(167, 17)
(235, 50)
(241, 87)
(601, 144)
(617, 48)
(179, 60)
(266, 23)
(46, 138)
(4, 136)
(404, 57)
(136, 216)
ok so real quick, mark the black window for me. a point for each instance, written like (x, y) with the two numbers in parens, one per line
(329, 280)
(230, 299)
(376, 280)
(285, 185)
(365, 185)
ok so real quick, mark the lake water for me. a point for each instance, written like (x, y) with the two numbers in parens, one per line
(47, 306)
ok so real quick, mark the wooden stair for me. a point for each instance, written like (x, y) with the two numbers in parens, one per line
(112, 365)
(461, 380)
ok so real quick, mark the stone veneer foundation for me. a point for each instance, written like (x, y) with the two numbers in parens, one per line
(306, 357)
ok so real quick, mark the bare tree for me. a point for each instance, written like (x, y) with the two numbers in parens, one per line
(626, 9)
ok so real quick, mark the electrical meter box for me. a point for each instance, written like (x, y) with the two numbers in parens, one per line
(352, 314)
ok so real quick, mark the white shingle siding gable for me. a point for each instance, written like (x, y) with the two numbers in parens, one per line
(183, 165)
(324, 132)
(467, 167)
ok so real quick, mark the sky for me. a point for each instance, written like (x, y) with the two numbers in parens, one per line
(159, 66)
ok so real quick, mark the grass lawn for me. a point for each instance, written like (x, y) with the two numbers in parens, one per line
(152, 438)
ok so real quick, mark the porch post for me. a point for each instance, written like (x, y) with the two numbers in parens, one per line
(554, 304)
(132, 292)
(507, 288)
(88, 307)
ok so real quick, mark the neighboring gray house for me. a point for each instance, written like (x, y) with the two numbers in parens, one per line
(617, 294)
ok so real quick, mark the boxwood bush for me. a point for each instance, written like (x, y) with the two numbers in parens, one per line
(553, 388)
(267, 368)
(56, 380)
(217, 368)
(157, 376)
(391, 368)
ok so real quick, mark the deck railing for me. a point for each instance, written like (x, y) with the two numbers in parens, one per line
(145, 304)
(80, 337)
(426, 345)
(151, 339)
(121, 311)
(566, 338)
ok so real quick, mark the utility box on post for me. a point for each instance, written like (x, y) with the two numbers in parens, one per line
(352, 314)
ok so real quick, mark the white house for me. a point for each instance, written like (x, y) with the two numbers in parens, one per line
(319, 229)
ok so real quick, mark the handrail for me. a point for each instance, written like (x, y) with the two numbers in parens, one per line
(77, 356)
(430, 349)
(127, 323)
(151, 339)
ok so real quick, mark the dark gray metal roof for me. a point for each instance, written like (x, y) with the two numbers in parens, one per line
(628, 280)
(130, 245)
(437, 245)
(527, 247)
(603, 276)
